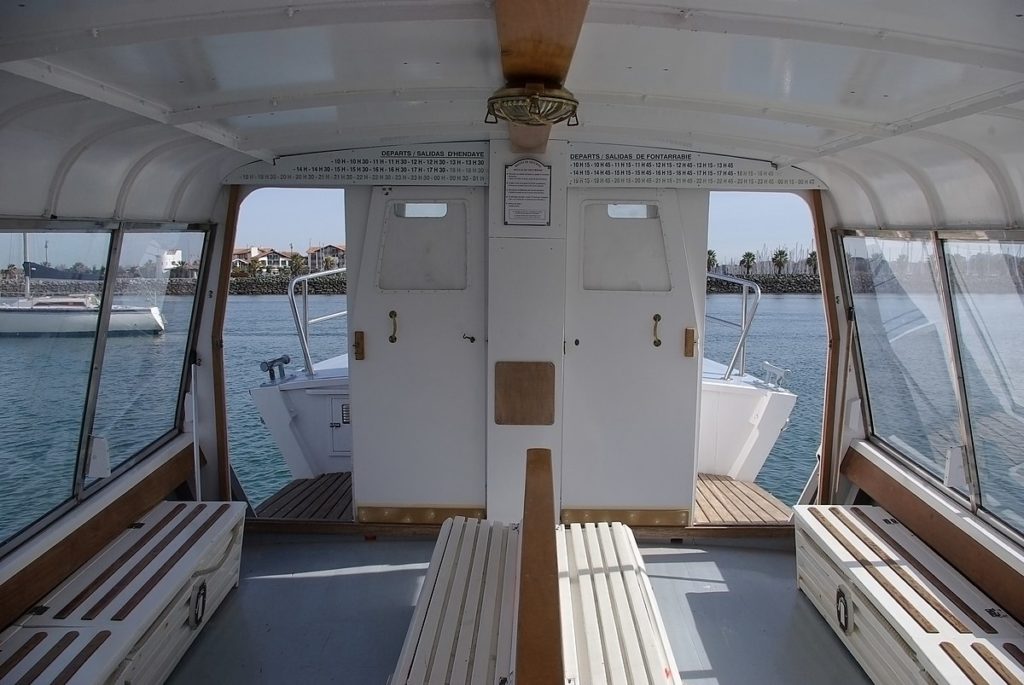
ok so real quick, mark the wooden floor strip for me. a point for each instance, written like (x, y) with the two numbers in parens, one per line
(723, 501)
(327, 497)
(275, 499)
(307, 495)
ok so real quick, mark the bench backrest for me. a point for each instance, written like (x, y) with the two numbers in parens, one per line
(539, 634)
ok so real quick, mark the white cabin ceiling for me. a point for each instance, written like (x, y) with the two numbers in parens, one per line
(910, 110)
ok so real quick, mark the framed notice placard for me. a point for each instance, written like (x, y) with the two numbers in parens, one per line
(527, 193)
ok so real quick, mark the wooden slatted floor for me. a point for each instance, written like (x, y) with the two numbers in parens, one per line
(327, 497)
(722, 501)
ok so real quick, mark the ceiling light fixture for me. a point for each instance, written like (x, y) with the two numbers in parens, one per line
(532, 105)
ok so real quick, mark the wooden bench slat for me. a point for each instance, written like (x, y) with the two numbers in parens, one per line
(996, 664)
(592, 665)
(484, 664)
(420, 612)
(566, 607)
(463, 657)
(899, 570)
(451, 618)
(625, 623)
(659, 666)
(866, 564)
(141, 565)
(159, 574)
(855, 549)
(69, 671)
(614, 662)
(509, 606)
(924, 571)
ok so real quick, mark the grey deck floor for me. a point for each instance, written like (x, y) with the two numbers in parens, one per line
(322, 609)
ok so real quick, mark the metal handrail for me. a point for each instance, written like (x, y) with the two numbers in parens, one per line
(739, 355)
(302, 324)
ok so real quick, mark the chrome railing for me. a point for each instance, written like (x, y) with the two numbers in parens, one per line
(738, 362)
(303, 322)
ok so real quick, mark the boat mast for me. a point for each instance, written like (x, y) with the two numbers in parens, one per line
(25, 266)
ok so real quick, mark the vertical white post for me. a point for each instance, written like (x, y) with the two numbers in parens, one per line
(195, 435)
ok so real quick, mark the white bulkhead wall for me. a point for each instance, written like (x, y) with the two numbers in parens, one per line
(467, 459)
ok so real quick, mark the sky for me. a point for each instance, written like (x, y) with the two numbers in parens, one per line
(297, 218)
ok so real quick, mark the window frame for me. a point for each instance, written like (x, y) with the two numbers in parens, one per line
(116, 230)
(973, 500)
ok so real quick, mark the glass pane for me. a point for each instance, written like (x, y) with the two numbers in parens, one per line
(988, 298)
(900, 325)
(48, 330)
(149, 326)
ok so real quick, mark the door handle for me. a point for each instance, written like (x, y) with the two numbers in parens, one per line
(394, 326)
(657, 320)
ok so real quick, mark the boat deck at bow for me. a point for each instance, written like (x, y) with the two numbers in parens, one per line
(721, 501)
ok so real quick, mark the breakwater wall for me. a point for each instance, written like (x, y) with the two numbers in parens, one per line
(771, 284)
(248, 285)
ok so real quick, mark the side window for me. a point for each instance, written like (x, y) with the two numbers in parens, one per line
(147, 339)
(987, 281)
(89, 384)
(904, 348)
(50, 290)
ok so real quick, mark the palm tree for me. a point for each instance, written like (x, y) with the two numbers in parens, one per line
(252, 268)
(11, 272)
(297, 264)
(747, 261)
(329, 263)
(712, 260)
(779, 260)
(812, 262)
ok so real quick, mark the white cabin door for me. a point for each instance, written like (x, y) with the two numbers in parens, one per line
(419, 395)
(631, 397)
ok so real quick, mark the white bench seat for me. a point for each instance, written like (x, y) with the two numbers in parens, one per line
(462, 627)
(464, 624)
(612, 630)
(904, 613)
(129, 614)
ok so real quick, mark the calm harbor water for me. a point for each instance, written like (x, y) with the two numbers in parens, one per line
(44, 381)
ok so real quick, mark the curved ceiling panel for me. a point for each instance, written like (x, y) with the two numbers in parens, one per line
(851, 200)
(903, 199)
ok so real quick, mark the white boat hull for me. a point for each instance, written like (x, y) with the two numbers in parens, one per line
(15, 320)
(740, 420)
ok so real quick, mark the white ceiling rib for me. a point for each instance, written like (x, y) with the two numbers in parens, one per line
(931, 195)
(94, 89)
(132, 175)
(992, 169)
(76, 152)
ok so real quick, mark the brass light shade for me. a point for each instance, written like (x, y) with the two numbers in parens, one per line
(532, 105)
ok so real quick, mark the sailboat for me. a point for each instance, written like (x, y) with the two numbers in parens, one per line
(73, 314)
